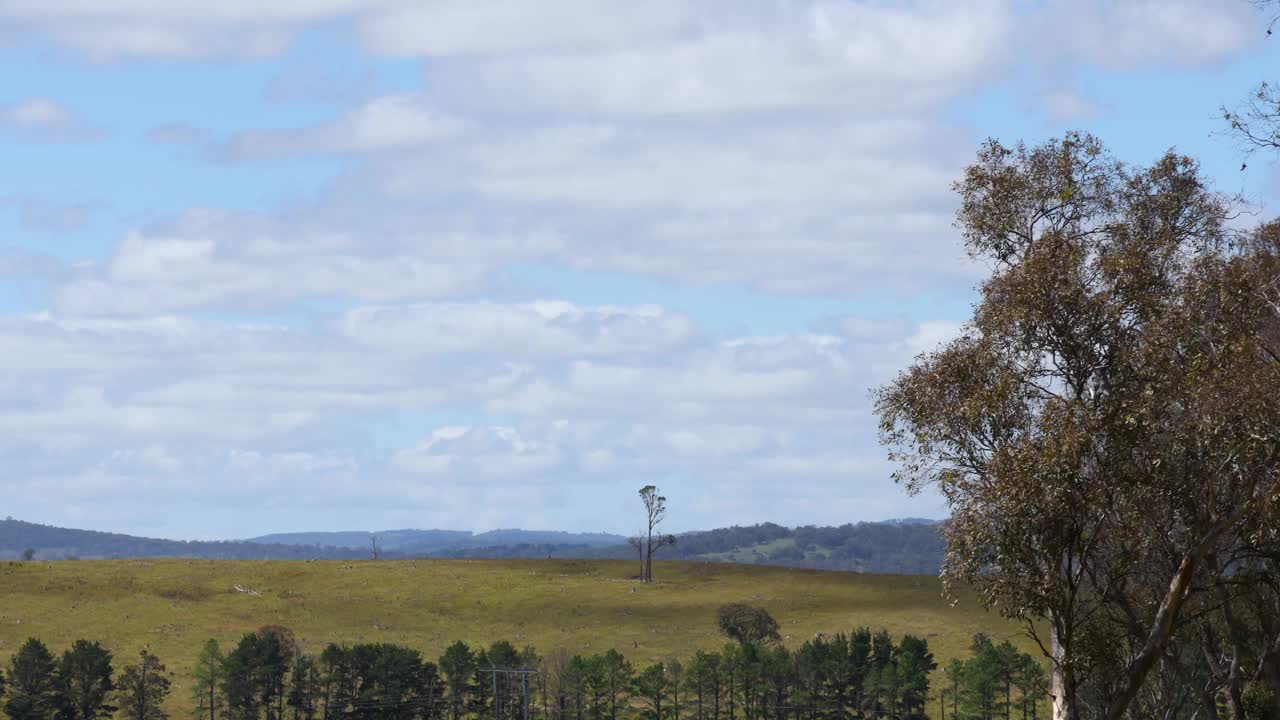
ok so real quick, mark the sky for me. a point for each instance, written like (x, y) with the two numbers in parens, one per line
(471, 264)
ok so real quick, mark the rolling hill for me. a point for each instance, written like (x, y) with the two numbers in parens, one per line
(54, 543)
(900, 546)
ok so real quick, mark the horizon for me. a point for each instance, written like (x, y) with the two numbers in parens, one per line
(465, 265)
(473, 533)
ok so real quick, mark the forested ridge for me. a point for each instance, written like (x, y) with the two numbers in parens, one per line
(47, 542)
(913, 547)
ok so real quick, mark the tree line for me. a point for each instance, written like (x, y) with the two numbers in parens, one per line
(983, 686)
(268, 675)
(82, 684)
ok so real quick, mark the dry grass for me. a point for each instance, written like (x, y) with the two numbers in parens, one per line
(173, 606)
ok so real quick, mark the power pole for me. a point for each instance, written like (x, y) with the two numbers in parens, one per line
(524, 674)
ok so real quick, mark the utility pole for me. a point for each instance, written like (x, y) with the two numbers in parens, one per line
(524, 674)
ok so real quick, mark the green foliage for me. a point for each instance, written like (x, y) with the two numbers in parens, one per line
(306, 687)
(982, 686)
(458, 664)
(1259, 703)
(747, 624)
(652, 687)
(914, 664)
(83, 681)
(143, 689)
(33, 694)
(208, 676)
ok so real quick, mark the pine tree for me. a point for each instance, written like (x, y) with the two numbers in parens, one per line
(143, 688)
(208, 675)
(32, 691)
(653, 689)
(914, 662)
(459, 667)
(83, 682)
(617, 674)
(303, 696)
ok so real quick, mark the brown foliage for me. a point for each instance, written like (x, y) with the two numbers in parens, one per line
(1108, 421)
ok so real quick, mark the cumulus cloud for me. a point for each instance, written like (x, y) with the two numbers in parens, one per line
(802, 147)
(108, 408)
(155, 28)
(865, 59)
(207, 258)
(1149, 32)
(540, 329)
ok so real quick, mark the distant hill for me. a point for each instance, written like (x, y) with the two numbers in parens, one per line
(911, 546)
(360, 540)
(55, 543)
(426, 542)
(914, 548)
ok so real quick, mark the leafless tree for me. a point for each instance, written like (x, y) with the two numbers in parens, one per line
(655, 508)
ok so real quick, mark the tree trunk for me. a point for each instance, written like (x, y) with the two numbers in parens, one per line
(648, 557)
(1062, 683)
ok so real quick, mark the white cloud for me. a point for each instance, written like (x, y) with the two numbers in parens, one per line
(44, 119)
(539, 329)
(210, 259)
(156, 28)
(791, 146)
(479, 453)
(817, 206)
(391, 122)
(860, 34)
(865, 59)
(1068, 105)
(1149, 32)
(104, 410)
(493, 27)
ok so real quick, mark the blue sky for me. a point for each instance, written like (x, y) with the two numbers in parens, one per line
(348, 265)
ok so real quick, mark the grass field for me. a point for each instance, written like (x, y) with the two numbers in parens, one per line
(173, 606)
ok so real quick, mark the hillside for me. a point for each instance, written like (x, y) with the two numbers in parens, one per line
(425, 542)
(360, 540)
(911, 547)
(55, 543)
(172, 606)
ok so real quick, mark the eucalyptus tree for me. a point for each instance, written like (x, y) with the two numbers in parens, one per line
(655, 510)
(1109, 419)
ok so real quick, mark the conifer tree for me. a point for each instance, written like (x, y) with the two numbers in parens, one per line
(207, 681)
(143, 688)
(32, 691)
(83, 682)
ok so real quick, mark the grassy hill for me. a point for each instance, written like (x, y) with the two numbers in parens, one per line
(172, 606)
